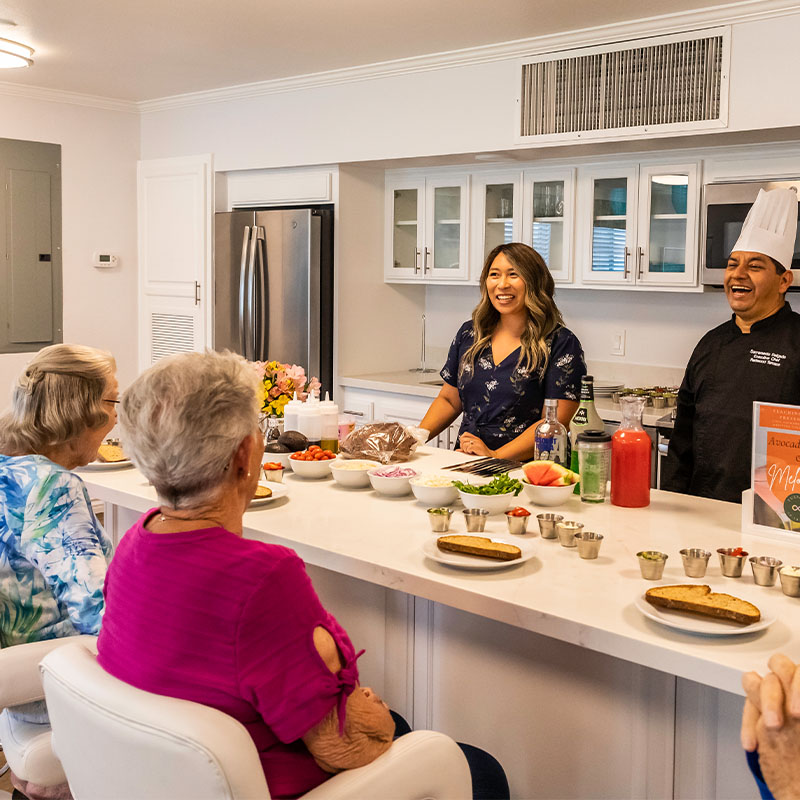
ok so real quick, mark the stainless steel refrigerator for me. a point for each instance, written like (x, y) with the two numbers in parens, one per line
(273, 286)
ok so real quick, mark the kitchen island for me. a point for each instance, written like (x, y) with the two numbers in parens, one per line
(548, 664)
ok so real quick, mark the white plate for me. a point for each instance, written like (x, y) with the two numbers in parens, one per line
(464, 561)
(705, 626)
(99, 466)
(278, 490)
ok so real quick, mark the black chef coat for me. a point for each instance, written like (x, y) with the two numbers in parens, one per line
(709, 449)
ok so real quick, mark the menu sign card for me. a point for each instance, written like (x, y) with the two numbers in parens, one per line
(776, 466)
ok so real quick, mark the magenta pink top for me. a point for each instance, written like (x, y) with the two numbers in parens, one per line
(210, 617)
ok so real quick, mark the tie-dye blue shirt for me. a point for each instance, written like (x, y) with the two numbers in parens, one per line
(53, 553)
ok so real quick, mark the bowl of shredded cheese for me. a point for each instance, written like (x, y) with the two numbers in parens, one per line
(434, 489)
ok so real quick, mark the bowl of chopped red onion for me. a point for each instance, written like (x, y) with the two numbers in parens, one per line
(391, 480)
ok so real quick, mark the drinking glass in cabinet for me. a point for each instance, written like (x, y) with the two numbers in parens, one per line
(499, 216)
(405, 228)
(609, 224)
(667, 242)
(447, 227)
(548, 199)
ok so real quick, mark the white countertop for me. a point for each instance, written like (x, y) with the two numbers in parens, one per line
(588, 603)
(410, 383)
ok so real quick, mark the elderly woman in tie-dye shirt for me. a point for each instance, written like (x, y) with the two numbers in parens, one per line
(53, 551)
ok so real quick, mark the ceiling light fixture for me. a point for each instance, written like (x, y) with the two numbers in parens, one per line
(14, 54)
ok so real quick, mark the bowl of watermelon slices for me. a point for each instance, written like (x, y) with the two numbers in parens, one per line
(547, 483)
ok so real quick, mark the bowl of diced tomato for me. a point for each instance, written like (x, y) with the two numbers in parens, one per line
(312, 463)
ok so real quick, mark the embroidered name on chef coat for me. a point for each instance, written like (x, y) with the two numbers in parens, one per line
(764, 357)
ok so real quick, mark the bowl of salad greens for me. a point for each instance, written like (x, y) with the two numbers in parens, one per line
(496, 497)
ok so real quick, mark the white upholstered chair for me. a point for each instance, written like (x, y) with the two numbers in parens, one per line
(27, 746)
(117, 742)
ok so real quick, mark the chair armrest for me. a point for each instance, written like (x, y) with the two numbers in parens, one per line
(419, 764)
(20, 679)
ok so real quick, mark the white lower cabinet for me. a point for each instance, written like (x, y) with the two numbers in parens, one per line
(376, 406)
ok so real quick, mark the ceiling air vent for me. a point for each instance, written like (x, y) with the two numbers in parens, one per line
(653, 85)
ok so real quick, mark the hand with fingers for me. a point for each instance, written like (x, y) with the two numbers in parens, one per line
(771, 724)
(470, 443)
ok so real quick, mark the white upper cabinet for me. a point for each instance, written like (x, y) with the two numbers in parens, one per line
(638, 224)
(549, 214)
(497, 214)
(426, 232)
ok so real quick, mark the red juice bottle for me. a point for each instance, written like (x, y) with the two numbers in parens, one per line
(630, 457)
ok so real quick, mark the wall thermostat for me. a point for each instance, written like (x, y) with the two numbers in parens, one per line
(105, 260)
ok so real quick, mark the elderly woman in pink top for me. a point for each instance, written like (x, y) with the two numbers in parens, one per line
(195, 611)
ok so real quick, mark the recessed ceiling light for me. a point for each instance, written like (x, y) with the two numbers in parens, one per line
(491, 156)
(14, 54)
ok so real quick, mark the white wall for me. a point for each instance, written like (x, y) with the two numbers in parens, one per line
(99, 149)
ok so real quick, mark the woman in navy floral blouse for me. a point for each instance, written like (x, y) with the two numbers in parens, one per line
(504, 362)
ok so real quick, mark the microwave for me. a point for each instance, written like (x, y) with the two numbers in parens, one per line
(725, 206)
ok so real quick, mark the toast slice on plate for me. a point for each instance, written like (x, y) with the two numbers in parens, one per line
(699, 599)
(478, 546)
(110, 453)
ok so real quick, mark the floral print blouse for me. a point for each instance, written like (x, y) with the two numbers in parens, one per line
(501, 400)
(53, 553)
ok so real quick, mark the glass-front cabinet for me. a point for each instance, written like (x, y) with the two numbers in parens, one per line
(548, 218)
(640, 225)
(668, 213)
(405, 222)
(426, 228)
(497, 213)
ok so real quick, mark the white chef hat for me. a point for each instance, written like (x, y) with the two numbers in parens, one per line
(771, 226)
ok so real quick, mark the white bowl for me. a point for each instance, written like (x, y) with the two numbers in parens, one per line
(548, 495)
(433, 496)
(493, 503)
(395, 487)
(354, 478)
(281, 458)
(312, 469)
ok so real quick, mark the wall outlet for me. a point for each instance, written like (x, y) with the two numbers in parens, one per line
(618, 343)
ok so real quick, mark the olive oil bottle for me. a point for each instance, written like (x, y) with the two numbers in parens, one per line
(585, 418)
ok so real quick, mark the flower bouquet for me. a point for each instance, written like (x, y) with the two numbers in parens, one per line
(279, 382)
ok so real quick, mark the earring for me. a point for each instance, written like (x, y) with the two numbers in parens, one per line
(248, 474)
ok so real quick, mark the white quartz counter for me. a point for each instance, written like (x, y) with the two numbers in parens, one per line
(358, 533)
(414, 383)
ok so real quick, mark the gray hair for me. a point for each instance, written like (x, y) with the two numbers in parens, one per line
(183, 419)
(57, 397)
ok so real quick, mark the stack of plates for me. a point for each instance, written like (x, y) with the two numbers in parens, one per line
(606, 388)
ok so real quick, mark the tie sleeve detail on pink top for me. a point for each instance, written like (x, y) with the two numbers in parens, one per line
(348, 678)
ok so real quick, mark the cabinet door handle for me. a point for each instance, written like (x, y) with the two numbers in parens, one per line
(425, 261)
(353, 413)
(627, 259)
(416, 260)
(196, 293)
(640, 257)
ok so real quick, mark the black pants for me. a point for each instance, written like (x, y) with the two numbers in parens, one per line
(488, 778)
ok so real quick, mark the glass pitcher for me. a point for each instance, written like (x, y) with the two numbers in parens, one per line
(630, 457)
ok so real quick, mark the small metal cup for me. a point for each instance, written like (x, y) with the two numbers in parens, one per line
(475, 519)
(547, 524)
(440, 519)
(765, 569)
(517, 525)
(659, 401)
(790, 584)
(566, 532)
(695, 561)
(730, 564)
(652, 568)
(588, 543)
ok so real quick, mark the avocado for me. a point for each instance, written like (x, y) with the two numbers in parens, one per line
(276, 447)
(294, 440)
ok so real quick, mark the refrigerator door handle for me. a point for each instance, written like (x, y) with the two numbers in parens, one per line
(242, 289)
(250, 320)
(261, 318)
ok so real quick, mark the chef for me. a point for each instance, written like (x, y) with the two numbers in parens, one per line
(753, 356)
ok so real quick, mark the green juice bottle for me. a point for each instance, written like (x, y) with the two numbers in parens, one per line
(585, 418)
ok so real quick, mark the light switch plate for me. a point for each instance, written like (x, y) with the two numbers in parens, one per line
(618, 343)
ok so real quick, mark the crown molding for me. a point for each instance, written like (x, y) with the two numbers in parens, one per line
(678, 22)
(72, 98)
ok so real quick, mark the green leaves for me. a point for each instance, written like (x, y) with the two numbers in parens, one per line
(500, 484)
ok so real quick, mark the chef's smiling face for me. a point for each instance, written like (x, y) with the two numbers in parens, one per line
(754, 286)
(505, 286)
